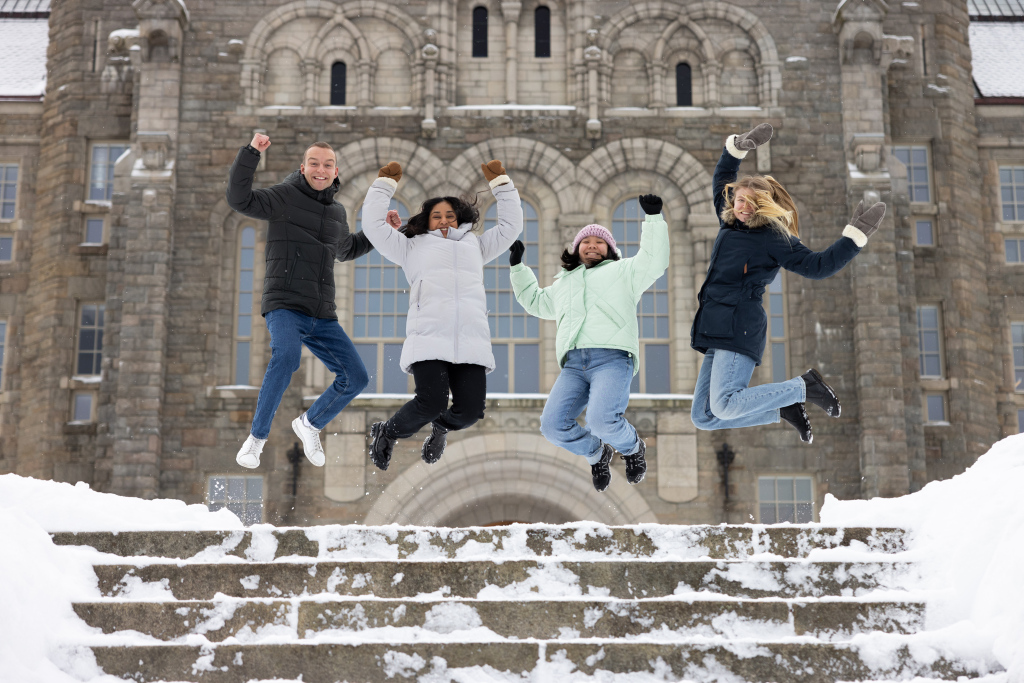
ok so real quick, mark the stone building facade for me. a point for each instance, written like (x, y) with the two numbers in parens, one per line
(129, 291)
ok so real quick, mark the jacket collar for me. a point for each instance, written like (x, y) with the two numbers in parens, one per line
(580, 268)
(453, 233)
(325, 196)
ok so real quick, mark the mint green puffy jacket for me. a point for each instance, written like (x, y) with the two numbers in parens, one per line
(596, 307)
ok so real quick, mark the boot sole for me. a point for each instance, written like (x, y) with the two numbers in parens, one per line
(375, 430)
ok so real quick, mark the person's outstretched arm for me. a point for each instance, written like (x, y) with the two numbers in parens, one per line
(258, 204)
(736, 148)
(651, 260)
(351, 246)
(818, 265)
(510, 212)
(537, 301)
(390, 242)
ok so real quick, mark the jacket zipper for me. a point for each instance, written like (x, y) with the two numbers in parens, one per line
(455, 266)
(320, 285)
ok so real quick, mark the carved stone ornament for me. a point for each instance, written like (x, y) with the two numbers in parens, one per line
(153, 149)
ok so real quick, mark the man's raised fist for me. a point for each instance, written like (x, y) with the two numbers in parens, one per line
(260, 142)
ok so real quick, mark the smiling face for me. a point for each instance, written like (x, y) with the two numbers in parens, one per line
(592, 250)
(442, 217)
(743, 205)
(319, 167)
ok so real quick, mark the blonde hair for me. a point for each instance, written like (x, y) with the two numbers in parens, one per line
(775, 208)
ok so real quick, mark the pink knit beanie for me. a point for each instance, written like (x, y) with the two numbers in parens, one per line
(594, 230)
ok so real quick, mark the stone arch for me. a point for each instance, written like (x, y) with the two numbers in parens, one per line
(647, 155)
(532, 156)
(767, 57)
(370, 154)
(505, 466)
(255, 56)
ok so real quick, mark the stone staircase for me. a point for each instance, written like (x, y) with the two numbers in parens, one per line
(348, 603)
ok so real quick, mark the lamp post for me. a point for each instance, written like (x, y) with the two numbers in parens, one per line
(725, 457)
(295, 458)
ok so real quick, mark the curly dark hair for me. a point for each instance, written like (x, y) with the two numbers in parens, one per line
(465, 212)
(571, 261)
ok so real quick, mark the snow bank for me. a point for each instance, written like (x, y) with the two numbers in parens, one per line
(968, 536)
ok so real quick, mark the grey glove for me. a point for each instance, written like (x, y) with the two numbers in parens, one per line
(867, 220)
(754, 138)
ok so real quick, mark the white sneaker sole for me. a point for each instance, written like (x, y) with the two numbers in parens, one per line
(298, 428)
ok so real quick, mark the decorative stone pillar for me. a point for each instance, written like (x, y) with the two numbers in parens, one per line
(364, 76)
(884, 461)
(592, 56)
(310, 70)
(428, 127)
(510, 13)
(656, 72)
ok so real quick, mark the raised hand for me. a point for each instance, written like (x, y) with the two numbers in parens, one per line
(393, 219)
(260, 142)
(867, 219)
(651, 204)
(393, 170)
(515, 256)
(753, 139)
(492, 169)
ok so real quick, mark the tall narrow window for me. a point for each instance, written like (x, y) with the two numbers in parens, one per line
(684, 86)
(3, 348)
(915, 158)
(6, 248)
(929, 341)
(479, 31)
(1017, 332)
(90, 339)
(380, 305)
(101, 169)
(542, 32)
(240, 494)
(1011, 192)
(515, 334)
(338, 72)
(777, 329)
(8, 190)
(785, 499)
(655, 371)
(243, 312)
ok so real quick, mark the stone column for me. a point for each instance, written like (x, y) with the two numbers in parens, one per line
(364, 74)
(884, 460)
(592, 56)
(428, 127)
(656, 72)
(138, 291)
(510, 13)
(310, 69)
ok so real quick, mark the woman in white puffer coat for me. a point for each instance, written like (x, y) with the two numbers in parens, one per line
(448, 339)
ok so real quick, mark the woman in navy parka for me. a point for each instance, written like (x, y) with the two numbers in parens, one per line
(759, 234)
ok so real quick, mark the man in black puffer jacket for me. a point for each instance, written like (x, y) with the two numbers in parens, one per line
(307, 233)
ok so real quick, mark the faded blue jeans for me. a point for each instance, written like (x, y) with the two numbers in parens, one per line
(723, 398)
(596, 380)
(289, 330)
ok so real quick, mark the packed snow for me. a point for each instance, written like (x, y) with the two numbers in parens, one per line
(966, 546)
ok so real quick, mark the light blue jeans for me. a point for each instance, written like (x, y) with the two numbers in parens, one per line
(723, 398)
(596, 380)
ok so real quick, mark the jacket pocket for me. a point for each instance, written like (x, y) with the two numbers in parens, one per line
(293, 263)
(414, 307)
(718, 313)
(612, 314)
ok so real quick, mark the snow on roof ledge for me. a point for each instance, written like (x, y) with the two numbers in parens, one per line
(997, 51)
(23, 45)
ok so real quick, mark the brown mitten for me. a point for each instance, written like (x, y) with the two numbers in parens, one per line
(393, 170)
(492, 169)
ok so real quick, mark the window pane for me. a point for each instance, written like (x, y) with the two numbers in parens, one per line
(936, 408)
(925, 236)
(804, 513)
(542, 32)
(684, 87)
(497, 381)
(395, 381)
(368, 354)
(252, 514)
(94, 231)
(83, 408)
(254, 488)
(803, 489)
(217, 488)
(527, 380)
(787, 512)
(1020, 421)
(6, 248)
(236, 488)
(766, 489)
(242, 363)
(656, 369)
(768, 515)
(338, 73)
(784, 486)
(479, 31)
(779, 372)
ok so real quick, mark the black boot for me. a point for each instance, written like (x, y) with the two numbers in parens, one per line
(636, 466)
(821, 394)
(797, 416)
(382, 445)
(600, 471)
(433, 445)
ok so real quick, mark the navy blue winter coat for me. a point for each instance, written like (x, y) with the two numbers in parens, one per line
(744, 261)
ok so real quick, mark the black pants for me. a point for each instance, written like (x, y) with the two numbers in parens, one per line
(434, 378)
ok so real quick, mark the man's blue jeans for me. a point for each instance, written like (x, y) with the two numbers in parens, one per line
(723, 398)
(289, 330)
(598, 380)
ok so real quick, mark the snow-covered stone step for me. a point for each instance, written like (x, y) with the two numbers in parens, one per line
(798, 662)
(549, 619)
(354, 542)
(523, 579)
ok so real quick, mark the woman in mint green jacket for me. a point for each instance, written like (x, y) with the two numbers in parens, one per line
(593, 299)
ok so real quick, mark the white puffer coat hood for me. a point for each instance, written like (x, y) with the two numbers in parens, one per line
(447, 301)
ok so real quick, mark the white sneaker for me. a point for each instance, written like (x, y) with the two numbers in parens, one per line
(310, 442)
(249, 455)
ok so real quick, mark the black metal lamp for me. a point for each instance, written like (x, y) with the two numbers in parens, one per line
(295, 458)
(725, 457)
